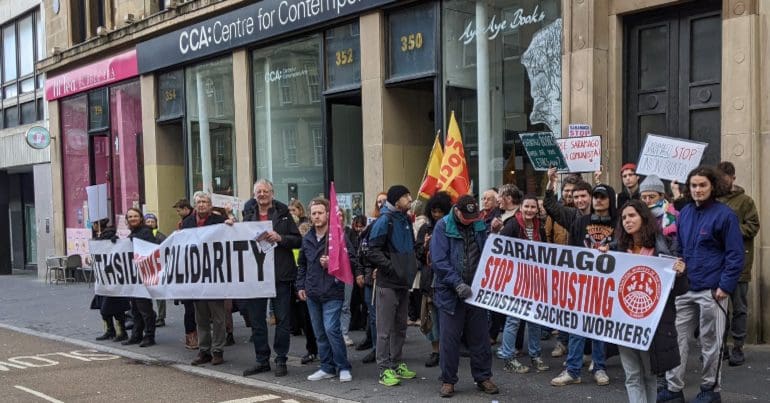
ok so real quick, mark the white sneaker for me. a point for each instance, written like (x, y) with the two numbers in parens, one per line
(348, 340)
(320, 374)
(601, 378)
(345, 376)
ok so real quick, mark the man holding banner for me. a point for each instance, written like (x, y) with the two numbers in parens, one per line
(456, 246)
(209, 313)
(286, 237)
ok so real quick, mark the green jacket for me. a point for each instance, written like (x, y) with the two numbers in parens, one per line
(748, 218)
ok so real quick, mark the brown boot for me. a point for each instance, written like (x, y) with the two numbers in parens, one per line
(202, 358)
(193, 343)
(217, 358)
(488, 387)
(447, 390)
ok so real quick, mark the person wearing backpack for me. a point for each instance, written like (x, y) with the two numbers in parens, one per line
(391, 251)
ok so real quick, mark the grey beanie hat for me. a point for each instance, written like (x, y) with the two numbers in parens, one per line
(652, 184)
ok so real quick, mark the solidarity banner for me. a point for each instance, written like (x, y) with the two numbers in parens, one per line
(614, 297)
(212, 262)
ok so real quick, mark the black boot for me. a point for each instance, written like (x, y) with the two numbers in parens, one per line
(135, 338)
(229, 340)
(147, 341)
(120, 330)
(109, 330)
(737, 357)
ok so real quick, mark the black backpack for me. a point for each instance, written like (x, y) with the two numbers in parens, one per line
(364, 251)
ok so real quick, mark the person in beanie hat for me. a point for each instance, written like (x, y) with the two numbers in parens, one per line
(630, 184)
(653, 195)
(391, 250)
(456, 247)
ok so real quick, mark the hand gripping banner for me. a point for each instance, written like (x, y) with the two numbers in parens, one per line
(614, 297)
(211, 262)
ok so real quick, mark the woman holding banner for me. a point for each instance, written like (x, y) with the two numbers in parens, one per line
(110, 307)
(638, 232)
(141, 308)
(525, 224)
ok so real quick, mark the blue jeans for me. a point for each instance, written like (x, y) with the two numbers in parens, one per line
(345, 316)
(575, 354)
(371, 313)
(326, 326)
(257, 309)
(509, 339)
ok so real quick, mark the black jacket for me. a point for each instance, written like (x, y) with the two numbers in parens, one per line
(664, 349)
(624, 196)
(314, 279)
(144, 233)
(109, 306)
(191, 221)
(283, 224)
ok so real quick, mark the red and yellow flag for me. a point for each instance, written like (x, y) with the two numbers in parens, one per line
(453, 174)
(430, 179)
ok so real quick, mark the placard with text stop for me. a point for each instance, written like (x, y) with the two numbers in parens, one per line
(614, 297)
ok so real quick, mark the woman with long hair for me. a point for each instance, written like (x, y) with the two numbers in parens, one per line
(379, 202)
(297, 211)
(110, 307)
(638, 232)
(524, 224)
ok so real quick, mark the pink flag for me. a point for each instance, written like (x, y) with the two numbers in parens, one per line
(339, 263)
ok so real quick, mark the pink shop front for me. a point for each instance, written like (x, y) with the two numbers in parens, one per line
(100, 112)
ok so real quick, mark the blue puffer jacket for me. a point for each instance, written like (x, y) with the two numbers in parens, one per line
(314, 279)
(393, 255)
(711, 244)
(447, 249)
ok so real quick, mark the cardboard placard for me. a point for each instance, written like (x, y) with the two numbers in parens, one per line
(97, 202)
(583, 154)
(669, 158)
(578, 130)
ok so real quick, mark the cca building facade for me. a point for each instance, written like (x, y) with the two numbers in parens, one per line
(303, 93)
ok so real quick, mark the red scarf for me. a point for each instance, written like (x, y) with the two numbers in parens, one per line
(523, 227)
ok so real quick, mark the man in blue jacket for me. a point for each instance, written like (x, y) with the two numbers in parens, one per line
(711, 244)
(456, 247)
(391, 250)
(324, 294)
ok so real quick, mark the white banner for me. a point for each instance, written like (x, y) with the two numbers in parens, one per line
(614, 297)
(211, 262)
(669, 158)
(583, 154)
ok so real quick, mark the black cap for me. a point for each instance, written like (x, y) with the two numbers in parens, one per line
(396, 192)
(468, 207)
(603, 190)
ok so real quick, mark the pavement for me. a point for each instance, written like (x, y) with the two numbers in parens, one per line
(33, 368)
(61, 312)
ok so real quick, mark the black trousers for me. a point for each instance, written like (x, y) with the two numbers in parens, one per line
(472, 322)
(189, 316)
(144, 317)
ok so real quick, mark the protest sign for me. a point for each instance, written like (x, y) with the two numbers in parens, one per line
(614, 297)
(227, 202)
(211, 262)
(77, 241)
(578, 130)
(543, 151)
(97, 202)
(669, 158)
(583, 154)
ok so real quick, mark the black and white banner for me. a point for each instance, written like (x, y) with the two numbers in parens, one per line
(212, 262)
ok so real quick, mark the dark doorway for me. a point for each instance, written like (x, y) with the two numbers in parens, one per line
(673, 75)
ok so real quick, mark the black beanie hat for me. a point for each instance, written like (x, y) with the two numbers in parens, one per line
(396, 192)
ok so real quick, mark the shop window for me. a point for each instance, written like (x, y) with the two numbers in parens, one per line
(210, 120)
(9, 53)
(125, 104)
(524, 82)
(170, 95)
(11, 116)
(413, 47)
(343, 54)
(284, 145)
(76, 169)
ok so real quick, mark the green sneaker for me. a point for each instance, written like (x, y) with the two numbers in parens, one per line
(388, 378)
(404, 373)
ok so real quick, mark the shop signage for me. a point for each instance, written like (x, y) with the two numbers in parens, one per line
(669, 158)
(103, 72)
(244, 26)
(38, 137)
(498, 25)
(543, 151)
(412, 41)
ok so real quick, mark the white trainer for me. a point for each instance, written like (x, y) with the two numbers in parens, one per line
(320, 374)
(345, 376)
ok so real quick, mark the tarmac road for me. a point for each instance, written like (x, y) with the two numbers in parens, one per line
(34, 369)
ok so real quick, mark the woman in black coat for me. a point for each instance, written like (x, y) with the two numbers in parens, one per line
(110, 307)
(141, 308)
(637, 232)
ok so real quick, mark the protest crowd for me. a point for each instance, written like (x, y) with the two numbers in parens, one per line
(424, 264)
